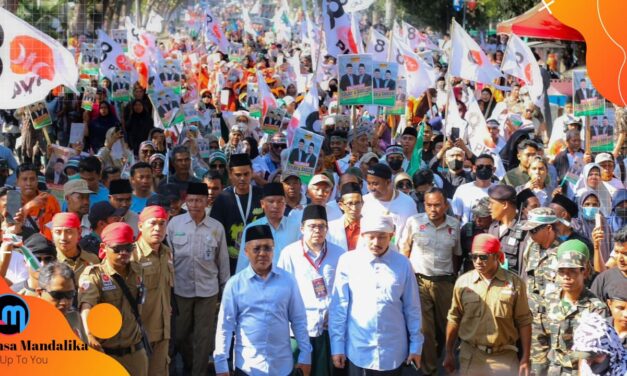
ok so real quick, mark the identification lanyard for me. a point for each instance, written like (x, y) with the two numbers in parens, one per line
(239, 204)
(315, 265)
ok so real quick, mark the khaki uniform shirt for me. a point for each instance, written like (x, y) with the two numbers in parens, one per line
(79, 264)
(98, 286)
(201, 258)
(432, 248)
(158, 271)
(489, 315)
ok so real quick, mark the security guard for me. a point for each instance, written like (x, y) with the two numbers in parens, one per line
(156, 261)
(117, 281)
(489, 313)
(431, 241)
(481, 220)
(506, 225)
(565, 306)
(541, 273)
(66, 230)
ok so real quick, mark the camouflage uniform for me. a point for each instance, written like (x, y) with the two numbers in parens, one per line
(561, 318)
(541, 269)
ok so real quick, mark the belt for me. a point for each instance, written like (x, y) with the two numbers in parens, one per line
(437, 278)
(493, 350)
(124, 350)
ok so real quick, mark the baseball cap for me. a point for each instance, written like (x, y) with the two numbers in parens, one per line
(40, 246)
(481, 208)
(320, 178)
(72, 163)
(287, 174)
(572, 254)
(75, 186)
(603, 157)
(400, 177)
(539, 217)
(288, 100)
(100, 211)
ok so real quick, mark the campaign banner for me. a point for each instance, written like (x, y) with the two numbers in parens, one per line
(586, 99)
(273, 120)
(120, 37)
(400, 99)
(89, 98)
(252, 100)
(39, 115)
(355, 73)
(190, 112)
(90, 59)
(169, 74)
(384, 77)
(121, 87)
(303, 155)
(602, 132)
(167, 104)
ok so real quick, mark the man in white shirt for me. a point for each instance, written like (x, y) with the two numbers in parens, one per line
(384, 199)
(312, 261)
(467, 195)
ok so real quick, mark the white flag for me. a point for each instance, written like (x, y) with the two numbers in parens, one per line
(378, 45)
(306, 114)
(267, 98)
(32, 63)
(357, 5)
(213, 32)
(112, 57)
(337, 29)
(520, 62)
(154, 24)
(478, 134)
(420, 75)
(356, 32)
(411, 35)
(468, 61)
(248, 25)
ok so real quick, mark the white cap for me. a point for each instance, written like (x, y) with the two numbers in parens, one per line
(288, 100)
(377, 223)
(603, 157)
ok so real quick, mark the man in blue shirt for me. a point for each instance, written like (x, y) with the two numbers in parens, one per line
(284, 232)
(259, 306)
(141, 180)
(374, 318)
(90, 170)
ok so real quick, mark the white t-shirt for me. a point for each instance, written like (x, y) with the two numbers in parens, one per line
(400, 209)
(465, 197)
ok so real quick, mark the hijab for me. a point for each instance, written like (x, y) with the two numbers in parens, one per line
(617, 222)
(604, 196)
(586, 226)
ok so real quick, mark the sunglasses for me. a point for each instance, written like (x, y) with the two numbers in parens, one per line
(45, 260)
(126, 248)
(217, 166)
(479, 257)
(536, 230)
(482, 166)
(279, 146)
(404, 185)
(61, 295)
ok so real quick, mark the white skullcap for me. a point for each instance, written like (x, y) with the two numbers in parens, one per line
(377, 223)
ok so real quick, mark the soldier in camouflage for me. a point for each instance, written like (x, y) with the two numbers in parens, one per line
(565, 306)
(481, 220)
(540, 271)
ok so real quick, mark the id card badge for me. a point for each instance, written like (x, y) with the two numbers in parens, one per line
(319, 288)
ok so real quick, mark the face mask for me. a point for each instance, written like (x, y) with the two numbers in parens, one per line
(468, 170)
(395, 164)
(601, 368)
(484, 174)
(562, 238)
(589, 212)
(455, 165)
(621, 212)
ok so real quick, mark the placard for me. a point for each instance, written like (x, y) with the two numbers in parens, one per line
(355, 85)
(303, 155)
(121, 87)
(384, 78)
(77, 131)
(89, 98)
(586, 99)
(39, 115)
(602, 132)
(273, 120)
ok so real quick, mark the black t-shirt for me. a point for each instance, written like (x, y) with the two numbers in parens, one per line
(611, 281)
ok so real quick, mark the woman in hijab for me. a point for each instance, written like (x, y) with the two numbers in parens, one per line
(591, 180)
(618, 218)
(157, 164)
(138, 125)
(98, 127)
(589, 206)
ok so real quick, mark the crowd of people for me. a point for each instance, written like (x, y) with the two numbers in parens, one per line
(506, 261)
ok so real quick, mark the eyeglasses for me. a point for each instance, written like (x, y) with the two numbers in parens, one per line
(45, 260)
(61, 295)
(404, 185)
(217, 166)
(262, 248)
(318, 227)
(479, 257)
(536, 230)
(127, 248)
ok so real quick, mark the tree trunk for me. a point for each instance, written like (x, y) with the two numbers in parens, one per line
(11, 5)
(79, 22)
(390, 11)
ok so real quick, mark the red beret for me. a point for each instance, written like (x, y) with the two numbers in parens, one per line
(487, 243)
(117, 233)
(153, 211)
(69, 220)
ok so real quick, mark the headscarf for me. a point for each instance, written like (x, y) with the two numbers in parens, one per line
(117, 233)
(488, 243)
(585, 226)
(66, 220)
(153, 211)
(594, 334)
(617, 222)
(604, 196)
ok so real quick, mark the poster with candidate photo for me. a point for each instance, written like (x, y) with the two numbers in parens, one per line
(121, 87)
(167, 104)
(253, 102)
(273, 120)
(303, 155)
(602, 132)
(120, 37)
(384, 77)
(39, 115)
(90, 59)
(170, 76)
(586, 99)
(400, 99)
(355, 84)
